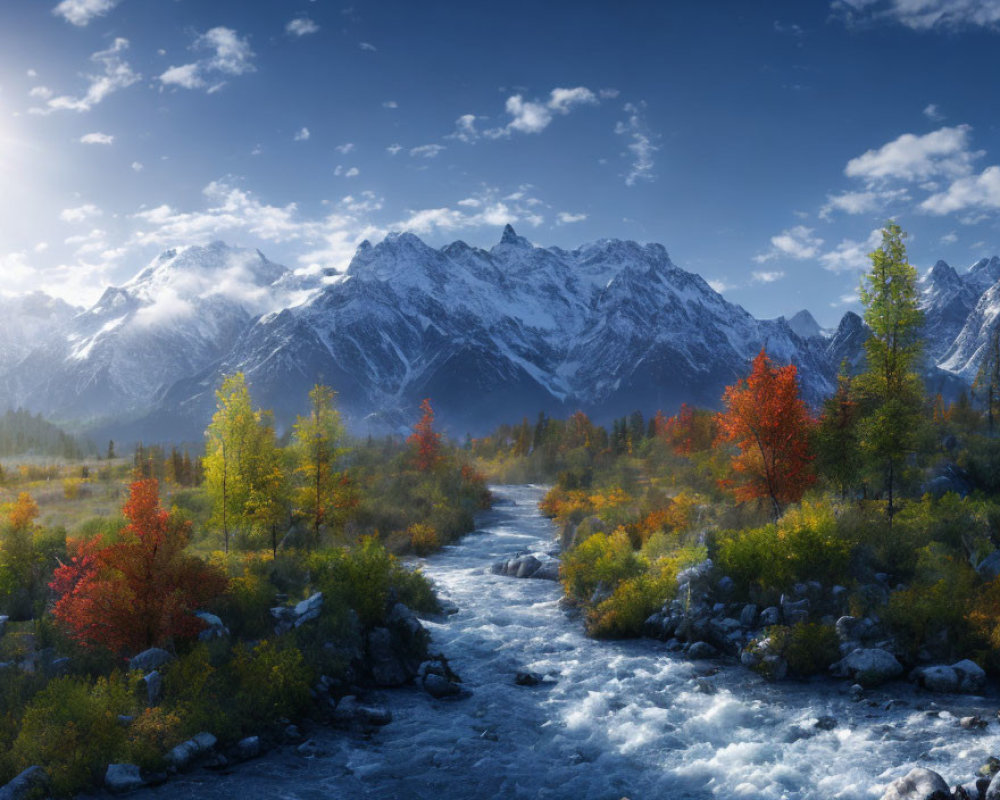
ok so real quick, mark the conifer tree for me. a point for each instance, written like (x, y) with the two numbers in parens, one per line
(891, 388)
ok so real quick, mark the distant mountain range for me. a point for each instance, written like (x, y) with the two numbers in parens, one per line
(489, 335)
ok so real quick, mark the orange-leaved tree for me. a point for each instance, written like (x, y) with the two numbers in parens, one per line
(140, 591)
(426, 440)
(690, 431)
(768, 421)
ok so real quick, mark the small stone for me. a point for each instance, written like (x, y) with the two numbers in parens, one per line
(973, 723)
(292, 733)
(249, 747)
(439, 687)
(700, 650)
(527, 679)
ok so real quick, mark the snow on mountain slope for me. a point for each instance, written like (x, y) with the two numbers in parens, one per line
(184, 311)
(28, 320)
(490, 334)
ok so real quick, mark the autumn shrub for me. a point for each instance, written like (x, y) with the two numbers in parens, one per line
(270, 681)
(600, 559)
(423, 539)
(934, 609)
(810, 648)
(806, 544)
(197, 691)
(71, 729)
(246, 606)
(364, 577)
(623, 613)
(150, 736)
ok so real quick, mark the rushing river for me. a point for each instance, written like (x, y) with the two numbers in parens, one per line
(618, 719)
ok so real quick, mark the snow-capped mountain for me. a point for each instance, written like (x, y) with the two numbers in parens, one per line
(27, 320)
(490, 335)
(181, 313)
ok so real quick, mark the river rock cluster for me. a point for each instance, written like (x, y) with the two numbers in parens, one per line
(704, 621)
(544, 566)
(388, 656)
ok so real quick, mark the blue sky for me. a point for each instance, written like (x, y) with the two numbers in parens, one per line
(762, 143)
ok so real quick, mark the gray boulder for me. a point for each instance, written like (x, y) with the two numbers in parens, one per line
(214, 627)
(700, 650)
(748, 616)
(989, 567)
(309, 609)
(387, 669)
(248, 748)
(868, 666)
(918, 784)
(4, 619)
(972, 678)
(549, 571)
(154, 687)
(150, 659)
(31, 783)
(937, 678)
(993, 790)
(121, 778)
(186, 753)
(351, 712)
(439, 687)
(770, 616)
(794, 611)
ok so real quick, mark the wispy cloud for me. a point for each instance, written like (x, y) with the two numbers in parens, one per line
(941, 153)
(932, 112)
(116, 74)
(640, 144)
(229, 54)
(768, 276)
(302, 135)
(798, 243)
(566, 218)
(922, 15)
(301, 26)
(427, 150)
(97, 138)
(81, 12)
(851, 255)
(80, 213)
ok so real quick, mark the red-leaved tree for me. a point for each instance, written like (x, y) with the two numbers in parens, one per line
(766, 418)
(426, 440)
(140, 591)
(690, 431)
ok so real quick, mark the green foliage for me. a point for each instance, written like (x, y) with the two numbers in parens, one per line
(806, 544)
(364, 578)
(810, 648)
(270, 681)
(936, 606)
(892, 391)
(601, 559)
(71, 728)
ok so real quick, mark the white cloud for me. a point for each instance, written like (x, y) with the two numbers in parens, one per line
(368, 46)
(301, 26)
(229, 55)
(81, 12)
(850, 254)
(117, 74)
(302, 135)
(799, 243)
(932, 112)
(97, 138)
(980, 191)
(923, 15)
(137, 166)
(640, 144)
(720, 286)
(392, 149)
(347, 172)
(345, 148)
(390, 104)
(767, 276)
(80, 213)
(949, 238)
(426, 151)
(465, 129)
(41, 92)
(941, 153)
(863, 202)
(566, 218)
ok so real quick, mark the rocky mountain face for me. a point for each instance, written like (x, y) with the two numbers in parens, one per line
(489, 335)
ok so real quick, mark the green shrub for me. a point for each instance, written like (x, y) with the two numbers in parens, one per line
(246, 606)
(810, 648)
(632, 601)
(199, 695)
(270, 681)
(363, 578)
(600, 559)
(71, 729)
(806, 544)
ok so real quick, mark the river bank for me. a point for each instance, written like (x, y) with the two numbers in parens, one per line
(610, 719)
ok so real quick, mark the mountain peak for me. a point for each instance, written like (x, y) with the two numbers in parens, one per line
(805, 325)
(511, 238)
